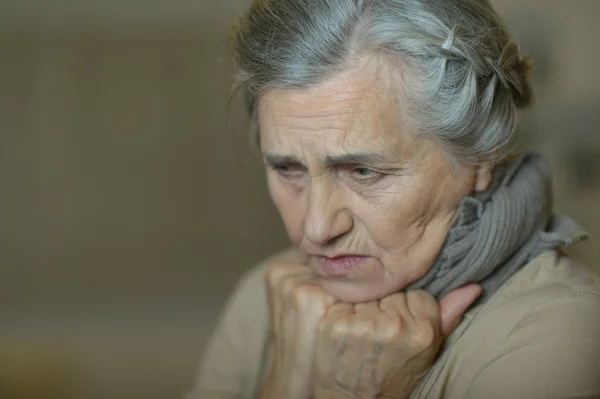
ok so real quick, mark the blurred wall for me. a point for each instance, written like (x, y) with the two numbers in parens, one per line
(131, 199)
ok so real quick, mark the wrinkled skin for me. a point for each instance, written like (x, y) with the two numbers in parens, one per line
(351, 180)
(326, 349)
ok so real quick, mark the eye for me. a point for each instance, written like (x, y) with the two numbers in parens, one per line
(363, 173)
(291, 171)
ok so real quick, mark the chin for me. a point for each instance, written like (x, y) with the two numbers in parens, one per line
(354, 291)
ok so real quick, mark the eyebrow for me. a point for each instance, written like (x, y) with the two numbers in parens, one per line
(274, 159)
(355, 158)
(359, 158)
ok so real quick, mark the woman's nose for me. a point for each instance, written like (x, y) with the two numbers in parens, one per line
(327, 217)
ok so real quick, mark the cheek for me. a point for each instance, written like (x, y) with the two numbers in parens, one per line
(290, 207)
(395, 217)
(391, 229)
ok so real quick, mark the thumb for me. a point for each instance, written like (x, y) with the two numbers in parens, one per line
(455, 304)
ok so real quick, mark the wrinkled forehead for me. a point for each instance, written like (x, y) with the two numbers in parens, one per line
(356, 110)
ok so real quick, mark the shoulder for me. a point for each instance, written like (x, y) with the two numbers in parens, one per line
(550, 291)
(541, 332)
(546, 291)
(551, 351)
(546, 281)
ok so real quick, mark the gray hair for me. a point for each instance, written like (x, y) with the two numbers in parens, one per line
(466, 81)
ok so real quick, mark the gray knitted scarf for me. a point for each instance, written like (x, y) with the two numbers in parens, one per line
(500, 230)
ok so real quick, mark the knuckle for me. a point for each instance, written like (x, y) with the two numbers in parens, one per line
(365, 326)
(274, 273)
(306, 290)
(287, 285)
(339, 328)
(309, 296)
(398, 299)
(391, 329)
(425, 335)
(324, 298)
(421, 297)
(302, 292)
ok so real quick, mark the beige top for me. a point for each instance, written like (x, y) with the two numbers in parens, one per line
(537, 337)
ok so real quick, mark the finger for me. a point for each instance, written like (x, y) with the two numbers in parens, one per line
(277, 271)
(366, 317)
(396, 308)
(329, 325)
(284, 285)
(337, 310)
(455, 304)
(292, 281)
(422, 305)
(427, 328)
(366, 308)
(280, 279)
(395, 305)
(332, 327)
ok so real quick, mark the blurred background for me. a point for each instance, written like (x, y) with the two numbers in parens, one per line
(131, 199)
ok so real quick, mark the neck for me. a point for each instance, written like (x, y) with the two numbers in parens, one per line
(499, 230)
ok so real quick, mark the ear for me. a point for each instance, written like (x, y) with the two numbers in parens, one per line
(483, 177)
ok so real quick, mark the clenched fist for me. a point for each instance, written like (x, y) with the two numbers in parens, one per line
(324, 349)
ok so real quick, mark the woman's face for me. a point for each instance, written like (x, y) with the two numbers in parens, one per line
(366, 204)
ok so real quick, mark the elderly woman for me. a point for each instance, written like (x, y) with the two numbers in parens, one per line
(426, 262)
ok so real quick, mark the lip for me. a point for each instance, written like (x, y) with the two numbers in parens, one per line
(341, 264)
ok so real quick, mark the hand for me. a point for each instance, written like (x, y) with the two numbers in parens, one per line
(297, 304)
(382, 349)
(328, 350)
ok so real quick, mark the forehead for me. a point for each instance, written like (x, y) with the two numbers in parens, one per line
(355, 110)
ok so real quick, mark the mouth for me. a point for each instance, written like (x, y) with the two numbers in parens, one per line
(340, 265)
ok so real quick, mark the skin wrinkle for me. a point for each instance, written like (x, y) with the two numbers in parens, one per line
(359, 118)
(398, 220)
(320, 230)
